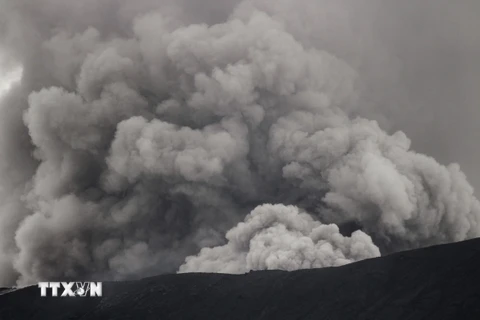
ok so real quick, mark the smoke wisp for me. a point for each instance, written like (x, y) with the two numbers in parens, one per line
(162, 136)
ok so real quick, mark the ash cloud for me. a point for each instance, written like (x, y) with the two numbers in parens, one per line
(278, 237)
(142, 133)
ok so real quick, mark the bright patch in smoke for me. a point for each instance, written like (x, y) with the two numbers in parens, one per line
(7, 79)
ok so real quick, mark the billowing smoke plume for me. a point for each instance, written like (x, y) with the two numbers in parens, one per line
(142, 132)
(280, 237)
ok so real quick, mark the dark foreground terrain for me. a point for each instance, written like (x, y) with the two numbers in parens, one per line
(441, 282)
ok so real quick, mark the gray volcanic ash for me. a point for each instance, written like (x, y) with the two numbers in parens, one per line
(142, 132)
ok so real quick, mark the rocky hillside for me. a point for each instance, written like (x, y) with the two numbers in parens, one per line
(441, 282)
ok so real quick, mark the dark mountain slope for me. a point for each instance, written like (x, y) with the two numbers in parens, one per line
(441, 282)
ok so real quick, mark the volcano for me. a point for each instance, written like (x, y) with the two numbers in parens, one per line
(439, 282)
